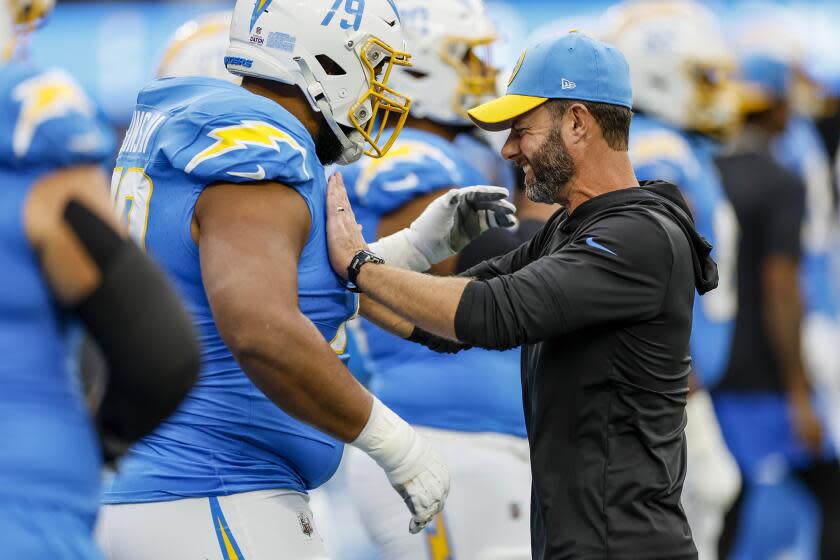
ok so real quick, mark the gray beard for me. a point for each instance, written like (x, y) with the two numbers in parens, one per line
(541, 191)
(553, 169)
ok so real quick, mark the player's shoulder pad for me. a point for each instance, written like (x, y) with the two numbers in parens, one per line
(662, 154)
(48, 120)
(235, 136)
(413, 167)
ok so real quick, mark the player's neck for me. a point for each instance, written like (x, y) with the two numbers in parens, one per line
(288, 97)
(445, 132)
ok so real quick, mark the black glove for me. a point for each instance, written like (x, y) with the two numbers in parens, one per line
(436, 343)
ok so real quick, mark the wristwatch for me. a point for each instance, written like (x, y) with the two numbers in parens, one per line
(361, 258)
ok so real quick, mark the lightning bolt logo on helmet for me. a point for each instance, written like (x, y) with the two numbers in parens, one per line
(239, 137)
(259, 7)
(46, 96)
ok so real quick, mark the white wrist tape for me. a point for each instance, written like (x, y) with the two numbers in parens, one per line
(392, 443)
(399, 251)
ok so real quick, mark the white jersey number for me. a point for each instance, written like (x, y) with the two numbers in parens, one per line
(131, 193)
(721, 304)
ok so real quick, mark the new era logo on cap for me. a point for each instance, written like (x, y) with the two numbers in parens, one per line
(567, 84)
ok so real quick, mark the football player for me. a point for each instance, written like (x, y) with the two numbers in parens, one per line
(65, 261)
(764, 403)
(800, 149)
(468, 405)
(679, 65)
(225, 186)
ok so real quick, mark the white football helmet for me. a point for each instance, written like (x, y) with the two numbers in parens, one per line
(197, 48)
(18, 19)
(6, 31)
(340, 53)
(680, 64)
(450, 69)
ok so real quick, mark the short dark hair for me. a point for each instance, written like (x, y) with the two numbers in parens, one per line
(614, 120)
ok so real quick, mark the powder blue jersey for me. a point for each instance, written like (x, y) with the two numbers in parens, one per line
(473, 391)
(659, 151)
(49, 458)
(227, 436)
(802, 152)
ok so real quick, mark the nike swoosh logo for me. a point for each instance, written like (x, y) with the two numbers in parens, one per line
(409, 182)
(257, 175)
(592, 243)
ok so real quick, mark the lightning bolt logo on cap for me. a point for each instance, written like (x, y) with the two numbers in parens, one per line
(517, 68)
(239, 137)
(259, 7)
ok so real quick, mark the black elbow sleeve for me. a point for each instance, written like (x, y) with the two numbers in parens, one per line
(436, 343)
(143, 331)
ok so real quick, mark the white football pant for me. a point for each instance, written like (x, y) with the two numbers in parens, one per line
(712, 481)
(487, 514)
(821, 353)
(274, 524)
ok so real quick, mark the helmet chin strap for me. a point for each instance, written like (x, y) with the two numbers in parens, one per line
(352, 149)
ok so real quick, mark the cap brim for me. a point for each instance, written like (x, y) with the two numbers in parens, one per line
(498, 114)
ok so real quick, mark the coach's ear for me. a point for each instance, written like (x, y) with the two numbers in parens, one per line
(579, 126)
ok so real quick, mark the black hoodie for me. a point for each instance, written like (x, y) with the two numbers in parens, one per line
(601, 301)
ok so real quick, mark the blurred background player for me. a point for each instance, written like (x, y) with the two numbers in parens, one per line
(242, 235)
(197, 48)
(468, 405)
(66, 262)
(765, 403)
(777, 39)
(679, 64)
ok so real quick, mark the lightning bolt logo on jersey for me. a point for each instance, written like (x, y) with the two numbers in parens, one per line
(227, 437)
(659, 151)
(472, 391)
(49, 467)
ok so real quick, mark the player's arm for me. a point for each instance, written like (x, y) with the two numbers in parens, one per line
(783, 303)
(122, 298)
(250, 239)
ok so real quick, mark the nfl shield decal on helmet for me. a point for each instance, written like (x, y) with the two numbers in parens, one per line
(306, 526)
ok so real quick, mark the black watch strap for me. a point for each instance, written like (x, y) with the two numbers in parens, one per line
(359, 259)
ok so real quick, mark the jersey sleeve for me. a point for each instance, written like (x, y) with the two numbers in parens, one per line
(617, 271)
(411, 169)
(784, 209)
(238, 148)
(663, 155)
(54, 123)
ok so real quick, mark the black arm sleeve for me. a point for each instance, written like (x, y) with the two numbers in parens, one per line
(436, 343)
(143, 331)
(620, 275)
(490, 244)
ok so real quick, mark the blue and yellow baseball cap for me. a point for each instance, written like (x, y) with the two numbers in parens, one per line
(572, 66)
(764, 80)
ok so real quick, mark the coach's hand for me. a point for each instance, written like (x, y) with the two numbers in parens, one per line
(414, 468)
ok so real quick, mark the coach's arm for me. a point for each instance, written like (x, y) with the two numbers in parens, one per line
(543, 298)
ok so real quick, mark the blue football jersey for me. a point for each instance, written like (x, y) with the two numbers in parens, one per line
(50, 459)
(659, 151)
(227, 436)
(801, 150)
(473, 391)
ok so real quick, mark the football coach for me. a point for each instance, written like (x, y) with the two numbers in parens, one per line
(600, 299)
